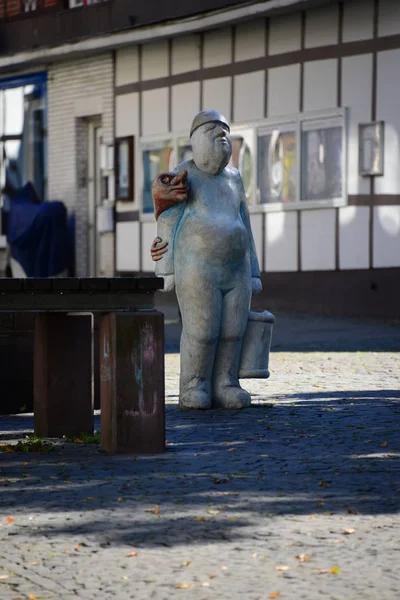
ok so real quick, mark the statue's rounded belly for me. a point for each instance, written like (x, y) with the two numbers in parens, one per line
(216, 241)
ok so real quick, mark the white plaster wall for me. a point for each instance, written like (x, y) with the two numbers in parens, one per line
(388, 93)
(354, 237)
(185, 54)
(185, 104)
(281, 241)
(320, 84)
(250, 40)
(155, 111)
(358, 20)
(127, 246)
(389, 17)
(322, 26)
(386, 236)
(127, 65)
(284, 90)
(155, 60)
(284, 34)
(256, 221)
(217, 47)
(127, 114)
(357, 97)
(149, 232)
(217, 95)
(318, 240)
(249, 96)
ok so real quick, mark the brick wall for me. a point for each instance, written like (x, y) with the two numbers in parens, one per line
(77, 91)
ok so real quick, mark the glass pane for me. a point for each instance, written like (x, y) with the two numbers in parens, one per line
(184, 150)
(322, 164)
(14, 111)
(277, 158)
(242, 158)
(157, 157)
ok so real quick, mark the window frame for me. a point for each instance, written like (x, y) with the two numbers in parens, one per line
(257, 126)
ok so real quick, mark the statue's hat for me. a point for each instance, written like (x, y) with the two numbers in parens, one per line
(208, 116)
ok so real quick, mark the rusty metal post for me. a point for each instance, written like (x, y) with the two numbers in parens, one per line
(63, 375)
(132, 382)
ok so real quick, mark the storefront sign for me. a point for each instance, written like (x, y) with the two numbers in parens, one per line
(79, 3)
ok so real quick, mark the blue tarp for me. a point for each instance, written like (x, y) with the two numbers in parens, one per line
(38, 234)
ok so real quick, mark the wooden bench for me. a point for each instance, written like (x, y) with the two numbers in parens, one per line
(131, 357)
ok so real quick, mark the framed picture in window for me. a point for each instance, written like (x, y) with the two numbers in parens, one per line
(370, 140)
(124, 183)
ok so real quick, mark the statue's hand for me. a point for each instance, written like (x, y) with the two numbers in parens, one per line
(158, 248)
(256, 285)
(169, 283)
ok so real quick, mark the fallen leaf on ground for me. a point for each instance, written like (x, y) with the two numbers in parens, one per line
(335, 570)
(4, 576)
(157, 510)
(213, 575)
(255, 555)
(200, 519)
(224, 568)
(133, 553)
(205, 584)
(120, 499)
(186, 586)
(223, 480)
(212, 511)
(186, 563)
(282, 568)
(349, 531)
(384, 444)
(303, 557)
(274, 595)
(9, 519)
(324, 484)
(33, 596)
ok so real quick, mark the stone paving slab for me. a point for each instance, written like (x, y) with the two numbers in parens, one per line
(297, 497)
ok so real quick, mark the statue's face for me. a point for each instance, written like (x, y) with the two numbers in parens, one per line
(212, 147)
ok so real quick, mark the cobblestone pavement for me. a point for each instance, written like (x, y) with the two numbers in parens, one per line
(297, 497)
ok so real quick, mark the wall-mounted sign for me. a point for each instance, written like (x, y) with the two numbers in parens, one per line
(370, 140)
(79, 3)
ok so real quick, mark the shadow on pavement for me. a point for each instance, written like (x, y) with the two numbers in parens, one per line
(309, 454)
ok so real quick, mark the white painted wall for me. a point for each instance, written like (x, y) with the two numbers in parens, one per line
(185, 104)
(358, 20)
(284, 34)
(389, 17)
(320, 84)
(127, 115)
(250, 40)
(155, 60)
(185, 54)
(257, 230)
(127, 246)
(155, 105)
(149, 232)
(283, 90)
(357, 97)
(249, 92)
(388, 93)
(322, 26)
(127, 65)
(354, 237)
(281, 241)
(217, 95)
(386, 236)
(318, 240)
(217, 47)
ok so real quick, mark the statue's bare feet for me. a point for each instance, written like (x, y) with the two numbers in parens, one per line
(230, 396)
(194, 398)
